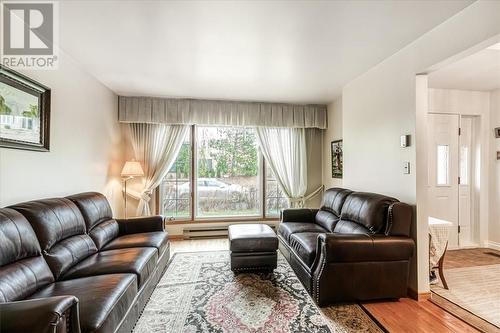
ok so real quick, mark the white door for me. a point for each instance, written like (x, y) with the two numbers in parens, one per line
(466, 164)
(443, 171)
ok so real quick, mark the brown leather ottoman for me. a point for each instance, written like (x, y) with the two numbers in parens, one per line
(253, 247)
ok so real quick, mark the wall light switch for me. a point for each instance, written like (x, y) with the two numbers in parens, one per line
(406, 168)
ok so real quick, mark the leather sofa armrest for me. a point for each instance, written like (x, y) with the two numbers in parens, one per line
(298, 215)
(141, 224)
(51, 314)
(338, 247)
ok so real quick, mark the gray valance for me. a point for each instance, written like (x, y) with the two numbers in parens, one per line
(214, 112)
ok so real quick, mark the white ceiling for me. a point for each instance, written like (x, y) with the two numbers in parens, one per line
(289, 51)
(480, 71)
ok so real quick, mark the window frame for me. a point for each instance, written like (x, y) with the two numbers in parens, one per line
(193, 219)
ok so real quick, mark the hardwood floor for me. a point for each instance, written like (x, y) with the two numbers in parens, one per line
(198, 245)
(405, 315)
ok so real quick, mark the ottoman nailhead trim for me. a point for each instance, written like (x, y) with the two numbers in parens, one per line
(252, 268)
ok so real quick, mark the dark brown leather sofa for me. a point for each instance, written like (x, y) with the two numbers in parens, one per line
(356, 247)
(67, 266)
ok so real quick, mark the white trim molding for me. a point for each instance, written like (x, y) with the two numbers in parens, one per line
(492, 245)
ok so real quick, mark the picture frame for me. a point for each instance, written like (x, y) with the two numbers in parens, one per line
(497, 132)
(24, 112)
(337, 158)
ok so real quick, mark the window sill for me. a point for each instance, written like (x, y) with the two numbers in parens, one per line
(223, 220)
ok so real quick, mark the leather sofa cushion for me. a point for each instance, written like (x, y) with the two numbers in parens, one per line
(23, 277)
(60, 229)
(22, 267)
(349, 227)
(17, 238)
(68, 253)
(157, 239)
(94, 206)
(98, 216)
(252, 238)
(304, 245)
(327, 220)
(367, 209)
(104, 232)
(52, 219)
(333, 200)
(287, 229)
(140, 261)
(103, 300)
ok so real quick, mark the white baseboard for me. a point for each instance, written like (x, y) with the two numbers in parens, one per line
(492, 245)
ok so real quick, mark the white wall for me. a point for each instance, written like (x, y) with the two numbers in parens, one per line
(494, 227)
(83, 140)
(333, 132)
(471, 103)
(380, 105)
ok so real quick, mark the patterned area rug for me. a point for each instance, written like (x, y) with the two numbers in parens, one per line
(476, 289)
(199, 293)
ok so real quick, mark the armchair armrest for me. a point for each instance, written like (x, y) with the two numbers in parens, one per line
(298, 215)
(362, 247)
(50, 314)
(141, 224)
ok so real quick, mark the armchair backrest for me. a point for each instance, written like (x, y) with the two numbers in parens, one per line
(23, 270)
(98, 216)
(331, 207)
(61, 232)
(333, 200)
(365, 213)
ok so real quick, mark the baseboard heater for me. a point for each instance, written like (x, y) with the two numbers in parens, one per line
(207, 232)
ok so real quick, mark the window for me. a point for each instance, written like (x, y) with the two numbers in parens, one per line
(275, 198)
(464, 165)
(227, 180)
(443, 159)
(228, 172)
(175, 189)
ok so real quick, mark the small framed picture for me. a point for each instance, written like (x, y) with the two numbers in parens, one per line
(498, 155)
(497, 132)
(337, 159)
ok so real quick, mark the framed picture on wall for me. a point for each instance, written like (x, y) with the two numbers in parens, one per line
(337, 159)
(24, 112)
(497, 132)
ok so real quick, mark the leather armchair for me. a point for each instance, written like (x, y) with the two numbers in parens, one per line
(356, 247)
(44, 315)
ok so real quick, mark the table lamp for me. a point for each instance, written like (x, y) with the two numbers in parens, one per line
(130, 170)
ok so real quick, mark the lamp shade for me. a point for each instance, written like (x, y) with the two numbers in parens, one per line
(132, 169)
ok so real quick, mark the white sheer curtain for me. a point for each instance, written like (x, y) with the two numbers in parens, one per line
(285, 151)
(156, 146)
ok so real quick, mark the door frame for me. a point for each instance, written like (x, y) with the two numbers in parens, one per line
(475, 198)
